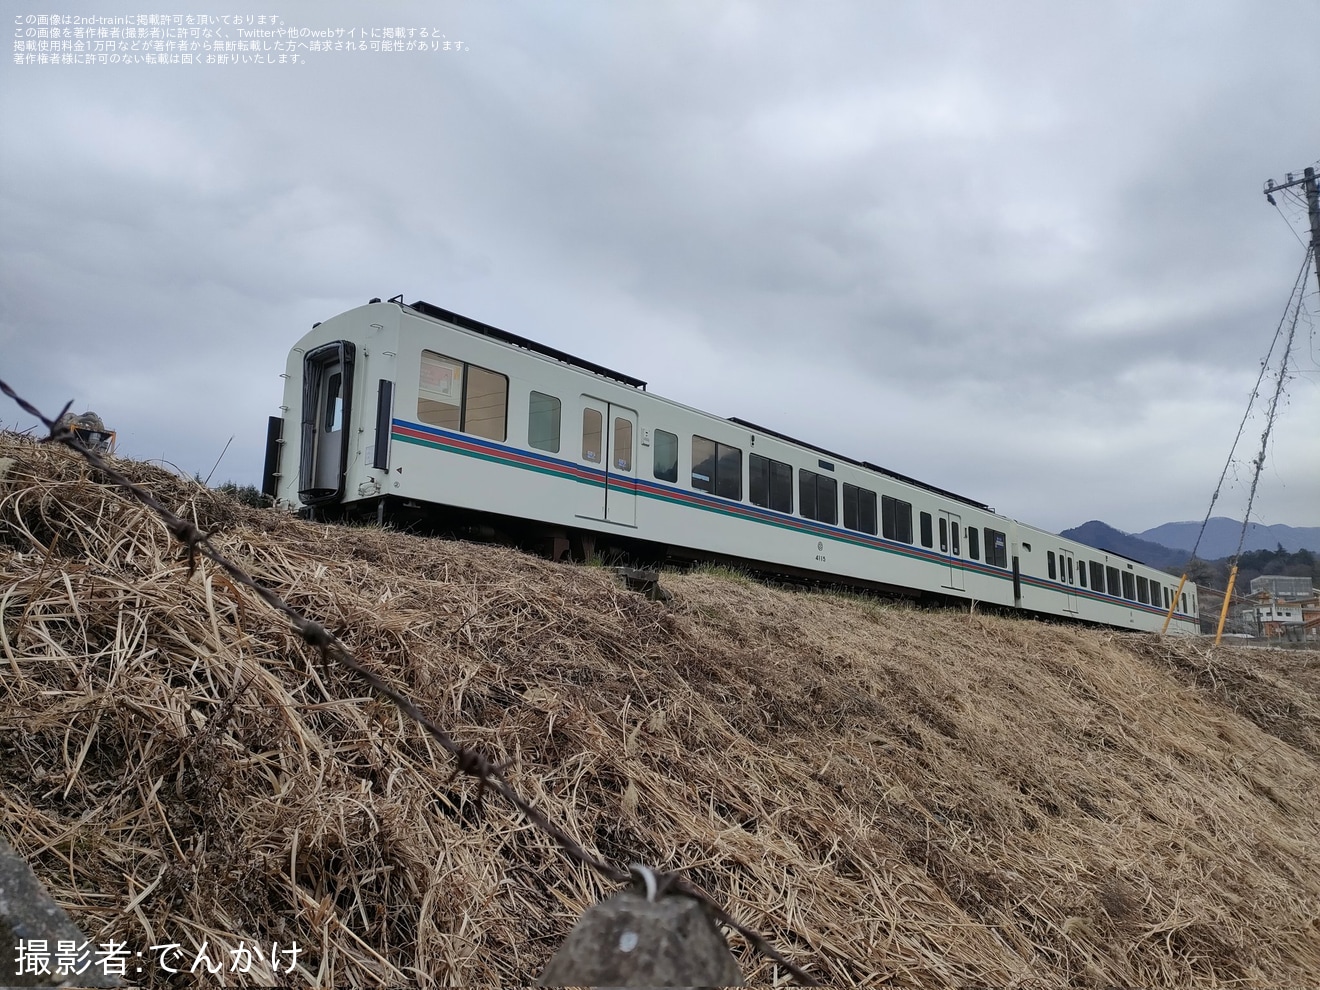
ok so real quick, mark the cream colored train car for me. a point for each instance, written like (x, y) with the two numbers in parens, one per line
(403, 411)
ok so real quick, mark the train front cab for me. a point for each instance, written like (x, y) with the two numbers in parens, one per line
(323, 452)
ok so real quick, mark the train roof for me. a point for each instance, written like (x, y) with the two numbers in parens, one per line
(486, 330)
(864, 464)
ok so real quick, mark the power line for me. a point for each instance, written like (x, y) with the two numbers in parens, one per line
(1255, 394)
(1279, 209)
(1259, 462)
(1312, 190)
(1297, 294)
(1269, 425)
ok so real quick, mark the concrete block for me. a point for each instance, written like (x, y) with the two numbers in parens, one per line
(629, 941)
(27, 914)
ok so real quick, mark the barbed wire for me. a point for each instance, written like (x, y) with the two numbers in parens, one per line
(467, 761)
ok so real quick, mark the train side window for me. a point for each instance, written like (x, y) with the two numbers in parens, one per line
(858, 509)
(728, 472)
(896, 519)
(996, 547)
(903, 521)
(827, 500)
(1081, 573)
(666, 456)
(1166, 596)
(926, 539)
(1184, 603)
(593, 429)
(807, 494)
(703, 464)
(781, 486)
(769, 483)
(758, 480)
(1112, 583)
(543, 413)
(1143, 590)
(818, 497)
(458, 396)
(485, 403)
(1097, 577)
(623, 443)
(1129, 587)
(440, 391)
(1049, 563)
(974, 542)
(716, 468)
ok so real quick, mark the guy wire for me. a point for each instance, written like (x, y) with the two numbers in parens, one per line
(1255, 393)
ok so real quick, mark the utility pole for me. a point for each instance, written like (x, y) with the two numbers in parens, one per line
(1312, 208)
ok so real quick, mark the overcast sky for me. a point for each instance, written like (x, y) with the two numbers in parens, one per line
(1017, 250)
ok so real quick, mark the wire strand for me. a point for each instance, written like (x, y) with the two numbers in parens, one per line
(1255, 394)
(1269, 422)
(1285, 219)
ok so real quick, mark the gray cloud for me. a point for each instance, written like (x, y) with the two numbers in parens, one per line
(1015, 249)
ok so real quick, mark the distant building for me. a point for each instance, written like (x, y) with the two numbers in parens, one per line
(1311, 619)
(1284, 589)
(1283, 608)
(1277, 612)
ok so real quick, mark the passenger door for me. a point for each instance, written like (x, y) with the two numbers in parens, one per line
(951, 547)
(592, 456)
(609, 444)
(1068, 578)
(621, 498)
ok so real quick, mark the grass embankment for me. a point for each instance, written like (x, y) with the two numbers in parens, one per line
(894, 796)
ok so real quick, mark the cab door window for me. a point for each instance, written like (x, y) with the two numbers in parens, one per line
(334, 404)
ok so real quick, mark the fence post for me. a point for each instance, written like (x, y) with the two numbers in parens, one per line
(630, 941)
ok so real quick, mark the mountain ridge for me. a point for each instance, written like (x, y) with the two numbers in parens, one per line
(1222, 534)
(1102, 536)
(1209, 571)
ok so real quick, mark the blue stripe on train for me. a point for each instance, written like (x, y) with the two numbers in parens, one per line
(490, 450)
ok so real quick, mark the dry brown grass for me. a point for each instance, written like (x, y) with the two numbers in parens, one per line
(895, 797)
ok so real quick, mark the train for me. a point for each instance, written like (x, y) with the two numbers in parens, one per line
(410, 412)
